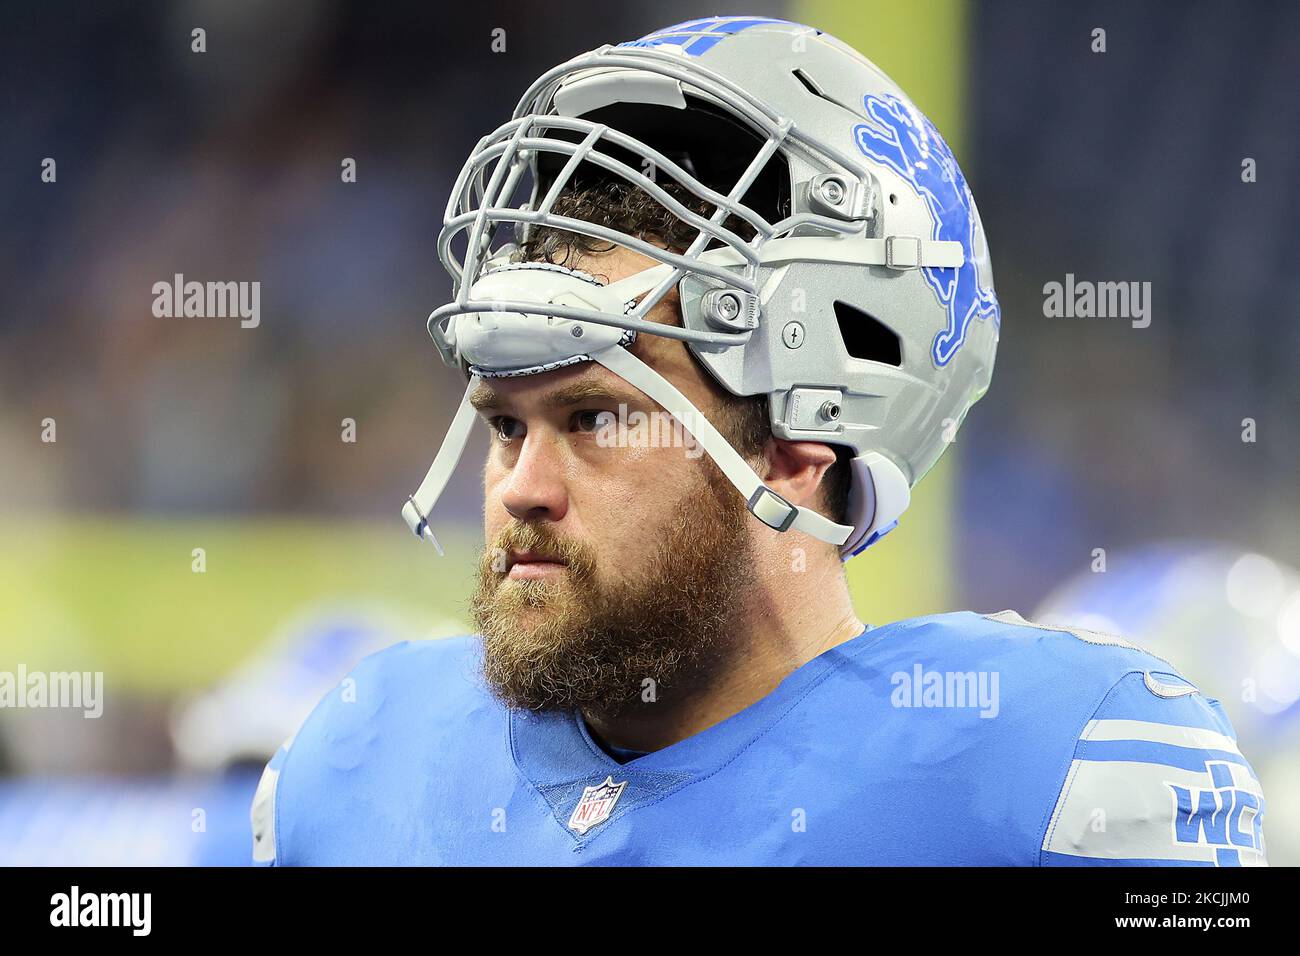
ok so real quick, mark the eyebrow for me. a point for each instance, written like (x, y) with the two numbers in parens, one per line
(486, 398)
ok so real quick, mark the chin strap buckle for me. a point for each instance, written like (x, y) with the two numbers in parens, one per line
(771, 509)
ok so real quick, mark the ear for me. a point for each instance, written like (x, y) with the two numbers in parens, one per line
(794, 469)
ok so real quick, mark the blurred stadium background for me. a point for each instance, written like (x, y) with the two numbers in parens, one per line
(179, 434)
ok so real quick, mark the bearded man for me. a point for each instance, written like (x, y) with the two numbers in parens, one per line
(742, 226)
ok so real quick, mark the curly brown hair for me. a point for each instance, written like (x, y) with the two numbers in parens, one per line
(743, 420)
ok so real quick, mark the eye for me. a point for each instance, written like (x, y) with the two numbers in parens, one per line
(592, 420)
(506, 429)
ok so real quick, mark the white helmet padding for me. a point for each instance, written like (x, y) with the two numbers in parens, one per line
(878, 495)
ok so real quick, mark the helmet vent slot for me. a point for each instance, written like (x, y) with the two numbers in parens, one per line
(866, 337)
(807, 83)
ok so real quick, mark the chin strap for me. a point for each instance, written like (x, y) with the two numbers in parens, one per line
(764, 503)
(417, 507)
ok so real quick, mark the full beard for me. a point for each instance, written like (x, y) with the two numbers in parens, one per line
(582, 640)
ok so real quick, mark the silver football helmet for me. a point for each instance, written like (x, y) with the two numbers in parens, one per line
(860, 300)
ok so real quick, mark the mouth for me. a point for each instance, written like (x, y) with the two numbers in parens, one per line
(534, 566)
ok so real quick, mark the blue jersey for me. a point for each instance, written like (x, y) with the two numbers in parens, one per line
(951, 739)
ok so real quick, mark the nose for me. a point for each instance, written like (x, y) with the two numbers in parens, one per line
(536, 489)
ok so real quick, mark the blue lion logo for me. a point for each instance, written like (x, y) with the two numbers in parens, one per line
(908, 143)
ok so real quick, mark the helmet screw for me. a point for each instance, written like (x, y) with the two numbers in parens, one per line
(576, 331)
(832, 191)
(830, 411)
(726, 306)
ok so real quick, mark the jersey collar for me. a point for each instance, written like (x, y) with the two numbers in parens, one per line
(555, 751)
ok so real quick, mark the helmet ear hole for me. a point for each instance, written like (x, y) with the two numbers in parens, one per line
(866, 337)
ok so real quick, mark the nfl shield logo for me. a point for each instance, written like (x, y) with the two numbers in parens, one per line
(596, 805)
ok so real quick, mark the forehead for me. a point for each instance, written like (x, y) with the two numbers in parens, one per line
(559, 389)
